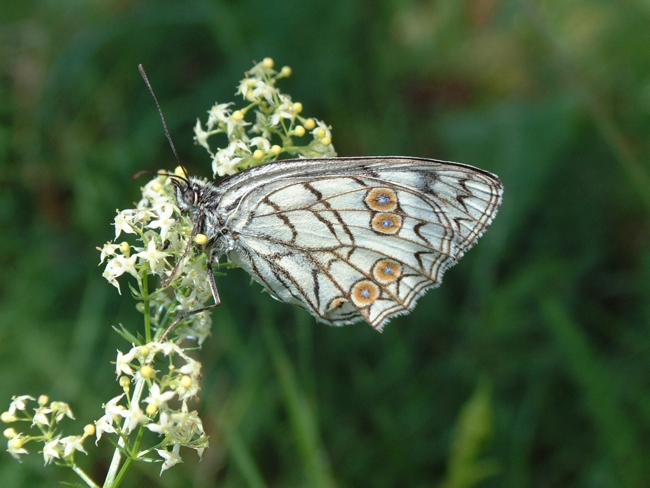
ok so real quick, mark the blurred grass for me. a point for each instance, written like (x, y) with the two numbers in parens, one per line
(551, 309)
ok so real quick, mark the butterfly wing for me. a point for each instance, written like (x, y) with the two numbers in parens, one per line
(353, 239)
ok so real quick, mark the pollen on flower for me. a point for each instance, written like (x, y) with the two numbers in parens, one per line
(186, 381)
(258, 154)
(201, 239)
(299, 131)
(151, 409)
(268, 63)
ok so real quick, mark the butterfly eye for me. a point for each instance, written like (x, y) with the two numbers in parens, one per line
(189, 195)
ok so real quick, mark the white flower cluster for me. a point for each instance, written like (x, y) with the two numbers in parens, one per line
(45, 418)
(276, 127)
(162, 235)
(160, 248)
(177, 427)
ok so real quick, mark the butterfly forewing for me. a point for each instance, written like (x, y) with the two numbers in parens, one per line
(353, 239)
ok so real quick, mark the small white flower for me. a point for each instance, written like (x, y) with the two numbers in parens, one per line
(60, 410)
(246, 87)
(117, 266)
(133, 417)
(41, 416)
(157, 398)
(186, 303)
(19, 403)
(163, 426)
(218, 114)
(261, 143)
(15, 446)
(50, 451)
(108, 250)
(201, 136)
(166, 348)
(225, 160)
(283, 111)
(122, 363)
(188, 424)
(164, 222)
(123, 222)
(171, 458)
(103, 425)
(191, 368)
(72, 443)
(152, 255)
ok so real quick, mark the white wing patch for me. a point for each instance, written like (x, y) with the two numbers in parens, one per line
(361, 241)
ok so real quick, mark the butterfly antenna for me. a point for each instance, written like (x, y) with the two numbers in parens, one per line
(162, 117)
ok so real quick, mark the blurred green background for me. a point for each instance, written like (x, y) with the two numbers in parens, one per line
(529, 367)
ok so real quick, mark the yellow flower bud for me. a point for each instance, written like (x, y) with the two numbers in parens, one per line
(309, 124)
(201, 239)
(89, 429)
(43, 400)
(320, 133)
(179, 171)
(326, 141)
(297, 107)
(186, 381)
(145, 351)
(275, 149)
(7, 418)
(268, 63)
(285, 72)
(299, 131)
(151, 409)
(125, 382)
(16, 442)
(156, 186)
(125, 247)
(147, 371)
(258, 154)
(237, 115)
(10, 433)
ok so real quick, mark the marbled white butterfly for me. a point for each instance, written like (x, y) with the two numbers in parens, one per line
(347, 239)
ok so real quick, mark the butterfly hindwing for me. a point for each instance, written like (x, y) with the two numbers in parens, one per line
(355, 238)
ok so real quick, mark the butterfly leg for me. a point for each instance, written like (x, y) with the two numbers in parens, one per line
(184, 315)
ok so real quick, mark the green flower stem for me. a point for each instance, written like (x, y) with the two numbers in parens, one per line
(84, 476)
(145, 303)
(112, 476)
(127, 463)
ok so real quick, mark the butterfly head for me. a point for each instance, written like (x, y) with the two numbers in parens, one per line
(195, 196)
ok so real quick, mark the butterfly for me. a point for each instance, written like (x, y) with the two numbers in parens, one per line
(347, 239)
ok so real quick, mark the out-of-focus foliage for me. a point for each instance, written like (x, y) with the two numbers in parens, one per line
(539, 340)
